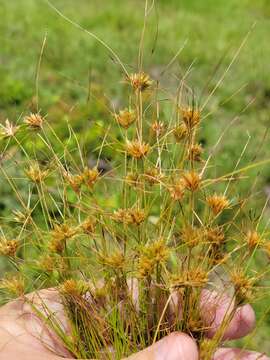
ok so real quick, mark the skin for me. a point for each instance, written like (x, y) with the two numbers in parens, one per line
(24, 336)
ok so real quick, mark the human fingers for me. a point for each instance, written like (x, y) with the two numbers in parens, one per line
(176, 346)
(216, 307)
(238, 354)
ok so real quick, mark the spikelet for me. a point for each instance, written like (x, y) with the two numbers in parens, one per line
(137, 149)
(243, 286)
(151, 256)
(158, 128)
(253, 240)
(192, 236)
(122, 216)
(177, 190)
(35, 174)
(195, 153)
(90, 176)
(74, 288)
(34, 121)
(116, 260)
(153, 176)
(217, 203)
(140, 81)
(194, 278)
(191, 181)
(59, 235)
(138, 216)
(75, 181)
(13, 285)
(9, 130)
(180, 132)
(191, 117)
(125, 118)
(9, 247)
(89, 225)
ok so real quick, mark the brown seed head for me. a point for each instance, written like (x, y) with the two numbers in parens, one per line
(14, 285)
(153, 176)
(122, 216)
(180, 132)
(243, 286)
(9, 247)
(125, 118)
(89, 225)
(191, 181)
(192, 236)
(253, 240)
(75, 181)
(193, 278)
(195, 152)
(133, 179)
(116, 260)
(34, 121)
(191, 117)
(217, 203)
(158, 128)
(177, 191)
(137, 216)
(215, 236)
(152, 255)
(137, 149)
(140, 81)
(35, 174)
(90, 176)
(74, 288)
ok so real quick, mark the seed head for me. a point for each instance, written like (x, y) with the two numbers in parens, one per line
(89, 225)
(74, 288)
(152, 255)
(191, 117)
(9, 130)
(59, 236)
(75, 181)
(35, 174)
(180, 132)
(191, 181)
(125, 118)
(215, 236)
(140, 81)
(116, 261)
(195, 152)
(9, 247)
(192, 278)
(243, 286)
(177, 191)
(90, 176)
(217, 203)
(137, 149)
(122, 216)
(158, 128)
(137, 216)
(253, 239)
(133, 179)
(192, 236)
(153, 176)
(13, 285)
(34, 121)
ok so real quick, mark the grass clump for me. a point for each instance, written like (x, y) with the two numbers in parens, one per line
(132, 249)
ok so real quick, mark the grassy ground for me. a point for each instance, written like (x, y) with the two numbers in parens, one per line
(214, 30)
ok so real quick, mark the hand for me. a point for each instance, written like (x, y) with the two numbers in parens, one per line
(23, 335)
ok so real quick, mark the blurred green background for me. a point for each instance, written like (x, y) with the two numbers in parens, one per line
(73, 63)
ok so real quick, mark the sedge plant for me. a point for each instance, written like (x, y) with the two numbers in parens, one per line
(131, 248)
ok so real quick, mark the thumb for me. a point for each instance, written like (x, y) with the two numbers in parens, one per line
(176, 346)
